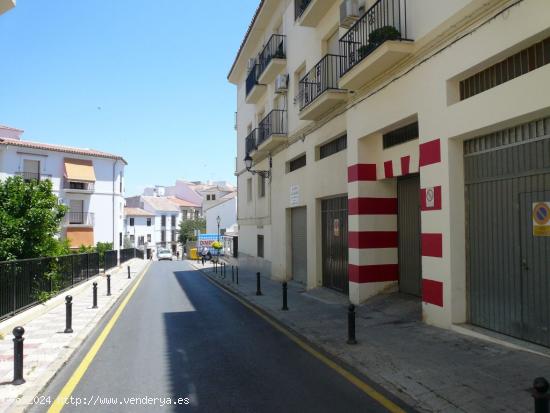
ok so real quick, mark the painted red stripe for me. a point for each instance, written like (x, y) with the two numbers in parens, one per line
(362, 172)
(372, 239)
(372, 206)
(430, 152)
(388, 169)
(405, 165)
(373, 273)
(432, 245)
(436, 200)
(432, 292)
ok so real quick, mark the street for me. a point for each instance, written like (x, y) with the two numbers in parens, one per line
(183, 344)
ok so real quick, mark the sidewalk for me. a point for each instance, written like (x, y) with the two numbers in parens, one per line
(46, 347)
(432, 369)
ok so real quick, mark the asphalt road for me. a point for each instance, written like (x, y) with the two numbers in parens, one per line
(180, 337)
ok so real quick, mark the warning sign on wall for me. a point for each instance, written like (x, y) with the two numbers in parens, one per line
(541, 219)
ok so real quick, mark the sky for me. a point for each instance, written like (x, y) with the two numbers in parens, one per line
(146, 80)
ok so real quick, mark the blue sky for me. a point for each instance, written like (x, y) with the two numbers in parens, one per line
(143, 79)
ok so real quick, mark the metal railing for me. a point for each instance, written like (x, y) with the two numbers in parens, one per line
(274, 49)
(77, 185)
(140, 254)
(24, 283)
(33, 176)
(110, 259)
(127, 254)
(251, 141)
(385, 20)
(252, 78)
(300, 6)
(324, 76)
(79, 218)
(275, 123)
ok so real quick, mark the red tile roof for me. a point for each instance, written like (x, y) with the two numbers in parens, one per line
(137, 212)
(182, 202)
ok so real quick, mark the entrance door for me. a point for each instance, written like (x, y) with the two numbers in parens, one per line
(408, 216)
(535, 269)
(335, 243)
(298, 224)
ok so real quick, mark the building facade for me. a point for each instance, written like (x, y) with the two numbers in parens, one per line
(6, 5)
(140, 227)
(89, 182)
(226, 209)
(404, 144)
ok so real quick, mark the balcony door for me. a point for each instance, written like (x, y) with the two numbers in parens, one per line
(76, 212)
(31, 169)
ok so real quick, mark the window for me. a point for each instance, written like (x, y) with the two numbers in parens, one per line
(333, 147)
(184, 214)
(249, 189)
(148, 237)
(76, 211)
(297, 163)
(261, 187)
(163, 236)
(132, 239)
(120, 177)
(260, 246)
(141, 240)
(31, 170)
(131, 222)
(163, 221)
(208, 197)
(213, 197)
(173, 220)
(120, 239)
(148, 222)
(401, 135)
(516, 65)
(173, 235)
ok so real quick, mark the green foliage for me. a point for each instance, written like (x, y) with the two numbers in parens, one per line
(62, 247)
(29, 219)
(376, 38)
(85, 249)
(127, 243)
(101, 247)
(188, 227)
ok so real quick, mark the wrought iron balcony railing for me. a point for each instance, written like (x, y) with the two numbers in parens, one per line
(299, 7)
(79, 218)
(250, 141)
(33, 176)
(322, 77)
(252, 78)
(78, 186)
(274, 49)
(275, 123)
(385, 20)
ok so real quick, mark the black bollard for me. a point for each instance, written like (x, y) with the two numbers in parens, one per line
(68, 314)
(224, 269)
(108, 284)
(95, 295)
(258, 286)
(285, 292)
(232, 273)
(237, 275)
(18, 356)
(540, 394)
(129, 272)
(351, 325)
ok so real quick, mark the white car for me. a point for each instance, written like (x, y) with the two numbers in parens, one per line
(164, 254)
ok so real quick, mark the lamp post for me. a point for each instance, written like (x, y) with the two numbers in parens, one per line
(263, 174)
(218, 220)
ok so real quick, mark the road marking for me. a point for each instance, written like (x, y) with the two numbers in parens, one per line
(69, 387)
(352, 378)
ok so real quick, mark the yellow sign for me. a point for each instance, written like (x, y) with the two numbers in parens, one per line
(541, 219)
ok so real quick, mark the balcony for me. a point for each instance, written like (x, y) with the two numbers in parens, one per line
(33, 176)
(272, 59)
(250, 141)
(78, 186)
(318, 89)
(254, 90)
(272, 132)
(82, 219)
(375, 43)
(310, 12)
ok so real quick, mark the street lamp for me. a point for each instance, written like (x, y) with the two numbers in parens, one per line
(263, 174)
(218, 220)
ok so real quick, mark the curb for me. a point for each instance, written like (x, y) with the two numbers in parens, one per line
(403, 404)
(25, 402)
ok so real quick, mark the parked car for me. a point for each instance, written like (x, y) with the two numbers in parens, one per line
(164, 254)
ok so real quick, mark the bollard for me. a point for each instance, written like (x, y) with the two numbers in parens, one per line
(540, 394)
(351, 325)
(224, 269)
(215, 267)
(68, 314)
(258, 286)
(108, 284)
(18, 356)
(285, 291)
(232, 273)
(237, 275)
(129, 272)
(95, 295)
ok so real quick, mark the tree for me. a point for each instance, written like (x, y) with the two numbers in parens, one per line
(30, 216)
(188, 228)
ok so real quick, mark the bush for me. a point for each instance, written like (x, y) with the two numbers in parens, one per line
(376, 38)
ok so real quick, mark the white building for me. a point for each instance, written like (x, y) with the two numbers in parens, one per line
(89, 182)
(405, 144)
(226, 209)
(140, 229)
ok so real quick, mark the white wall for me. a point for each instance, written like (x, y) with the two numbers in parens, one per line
(227, 212)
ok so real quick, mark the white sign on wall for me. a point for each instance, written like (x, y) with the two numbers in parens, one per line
(294, 195)
(430, 198)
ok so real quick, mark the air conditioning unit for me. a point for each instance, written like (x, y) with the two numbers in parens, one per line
(350, 11)
(281, 84)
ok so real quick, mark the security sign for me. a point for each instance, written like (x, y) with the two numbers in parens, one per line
(541, 219)
(430, 197)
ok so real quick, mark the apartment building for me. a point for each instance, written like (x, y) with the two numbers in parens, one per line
(140, 229)
(89, 182)
(6, 5)
(401, 145)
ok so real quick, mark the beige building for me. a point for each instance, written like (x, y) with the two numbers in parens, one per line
(5, 5)
(404, 146)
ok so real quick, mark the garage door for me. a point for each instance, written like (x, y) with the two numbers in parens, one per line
(507, 176)
(299, 244)
(335, 243)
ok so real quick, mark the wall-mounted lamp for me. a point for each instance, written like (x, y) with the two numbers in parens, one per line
(263, 174)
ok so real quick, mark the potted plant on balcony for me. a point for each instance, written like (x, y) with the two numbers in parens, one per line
(376, 38)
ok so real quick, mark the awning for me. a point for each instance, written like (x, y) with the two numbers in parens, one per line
(80, 236)
(79, 170)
